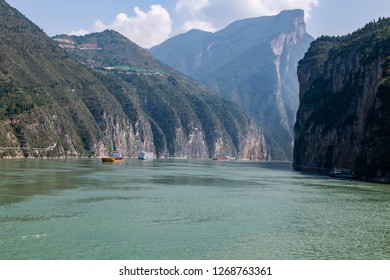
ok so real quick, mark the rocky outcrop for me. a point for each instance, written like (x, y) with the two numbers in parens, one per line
(343, 118)
(254, 145)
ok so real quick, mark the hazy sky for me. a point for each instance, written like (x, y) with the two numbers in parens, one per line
(150, 22)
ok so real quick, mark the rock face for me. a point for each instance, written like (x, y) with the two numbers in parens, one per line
(251, 62)
(344, 115)
(116, 96)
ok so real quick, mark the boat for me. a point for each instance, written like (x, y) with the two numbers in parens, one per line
(115, 157)
(338, 173)
(335, 172)
(221, 158)
(145, 155)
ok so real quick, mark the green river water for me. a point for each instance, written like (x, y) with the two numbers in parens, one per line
(186, 209)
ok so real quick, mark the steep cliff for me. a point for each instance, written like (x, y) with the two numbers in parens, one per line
(344, 115)
(48, 105)
(251, 62)
(116, 96)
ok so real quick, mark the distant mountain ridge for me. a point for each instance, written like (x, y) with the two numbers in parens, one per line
(180, 108)
(116, 96)
(251, 62)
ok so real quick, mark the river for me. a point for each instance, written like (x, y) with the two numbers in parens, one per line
(186, 209)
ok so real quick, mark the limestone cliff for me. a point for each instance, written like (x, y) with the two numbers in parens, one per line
(344, 114)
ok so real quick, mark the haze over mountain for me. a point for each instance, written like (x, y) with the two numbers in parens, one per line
(120, 99)
(344, 115)
(252, 62)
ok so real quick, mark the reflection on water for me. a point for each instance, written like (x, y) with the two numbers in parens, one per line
(183, 209)
(20, 179)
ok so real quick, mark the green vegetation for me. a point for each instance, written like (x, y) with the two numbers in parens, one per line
(367, 43)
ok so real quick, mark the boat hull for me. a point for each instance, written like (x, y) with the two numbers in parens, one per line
(222, 158)
(111, 159)
(338, 173)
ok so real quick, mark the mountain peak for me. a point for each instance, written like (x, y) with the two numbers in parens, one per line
(295, 19)
(297, 13)
(113, 46)
(251, 62)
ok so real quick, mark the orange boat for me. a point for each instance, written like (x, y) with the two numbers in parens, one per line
(116, 157)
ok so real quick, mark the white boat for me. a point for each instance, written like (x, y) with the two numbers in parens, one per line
(145, 155)
(338, 173)
(335, 172)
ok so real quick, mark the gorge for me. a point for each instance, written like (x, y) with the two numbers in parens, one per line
(253, 63)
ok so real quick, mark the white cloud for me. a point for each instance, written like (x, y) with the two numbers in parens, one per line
(191, 6)
(145, 28)
(216, 14)
(154, 26)
(80, 32)
(202, 25)
(99, 26)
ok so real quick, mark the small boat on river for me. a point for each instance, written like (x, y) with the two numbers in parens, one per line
(115, 157)
(221, 158)
(145, 155)
(338, 173)
(335, 172)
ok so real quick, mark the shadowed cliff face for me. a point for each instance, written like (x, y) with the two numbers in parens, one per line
(116, 96)
(343, 118)
(251, 62)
